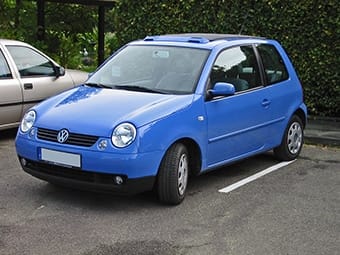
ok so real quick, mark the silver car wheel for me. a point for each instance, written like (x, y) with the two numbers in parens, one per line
(182, 174)
(294, 138)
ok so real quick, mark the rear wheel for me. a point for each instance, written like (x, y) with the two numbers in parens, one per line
(292, 141)
(173, 175)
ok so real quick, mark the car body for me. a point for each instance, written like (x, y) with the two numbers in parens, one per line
(163, 107)
(28, 76)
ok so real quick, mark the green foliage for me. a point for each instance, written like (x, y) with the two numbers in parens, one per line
(70, 18)
(309, 30)
(66, 27)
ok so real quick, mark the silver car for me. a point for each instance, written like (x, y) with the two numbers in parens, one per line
(28, 76)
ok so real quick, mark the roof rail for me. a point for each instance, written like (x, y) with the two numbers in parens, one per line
(174, 38)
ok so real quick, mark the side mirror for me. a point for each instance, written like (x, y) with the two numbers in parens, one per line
(59, 71)
(222, 89)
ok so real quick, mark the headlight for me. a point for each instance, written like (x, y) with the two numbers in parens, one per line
(123, 135)
(27, 121)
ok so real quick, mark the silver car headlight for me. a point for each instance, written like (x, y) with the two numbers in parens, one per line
(123, 135)
(28, 121)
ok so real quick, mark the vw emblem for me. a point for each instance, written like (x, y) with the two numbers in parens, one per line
(62, 136)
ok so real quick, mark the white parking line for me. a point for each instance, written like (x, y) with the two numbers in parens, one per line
(255, 176)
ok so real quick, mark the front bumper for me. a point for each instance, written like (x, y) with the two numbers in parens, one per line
(85, 180)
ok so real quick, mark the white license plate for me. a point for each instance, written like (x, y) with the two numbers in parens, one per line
(61, 158)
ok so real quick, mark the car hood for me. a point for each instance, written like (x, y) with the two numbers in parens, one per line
(97, 111)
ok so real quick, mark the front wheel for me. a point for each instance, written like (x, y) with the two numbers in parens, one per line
(292, 141)
(173, 175)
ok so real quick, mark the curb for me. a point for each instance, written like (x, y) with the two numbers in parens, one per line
(323, 131)
(321, 141)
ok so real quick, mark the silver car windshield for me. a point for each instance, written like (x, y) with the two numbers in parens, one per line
(159, 69)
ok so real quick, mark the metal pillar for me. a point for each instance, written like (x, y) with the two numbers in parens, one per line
(41, 20)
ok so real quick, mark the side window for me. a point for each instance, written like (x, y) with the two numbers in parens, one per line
(273, 64)
(4, 70)
(237, 66)
(30, 63)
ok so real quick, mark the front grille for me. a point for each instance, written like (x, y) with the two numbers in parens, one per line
(73, 139)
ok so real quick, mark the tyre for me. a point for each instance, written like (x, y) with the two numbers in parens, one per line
(173, 175)
(292, 141)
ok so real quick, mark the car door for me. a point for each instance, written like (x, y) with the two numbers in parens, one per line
(38, 75)
(282, 92)
(10, 95)
(237, 124)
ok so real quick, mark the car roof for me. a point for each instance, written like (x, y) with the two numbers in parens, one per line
(12, 42)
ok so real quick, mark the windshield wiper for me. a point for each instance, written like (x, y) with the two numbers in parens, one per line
(97, 85)
(138, 88)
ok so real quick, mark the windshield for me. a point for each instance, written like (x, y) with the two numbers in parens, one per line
(156, 69)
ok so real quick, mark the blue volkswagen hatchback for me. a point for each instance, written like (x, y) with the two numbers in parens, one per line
(163, 108)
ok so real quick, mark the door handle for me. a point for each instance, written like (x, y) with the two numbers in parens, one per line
(28, 85)
(266, 102)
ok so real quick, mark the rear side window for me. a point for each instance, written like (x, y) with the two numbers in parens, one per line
(273, 64)
(30, 63)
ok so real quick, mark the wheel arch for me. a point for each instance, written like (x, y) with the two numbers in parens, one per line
(301, 114)
(195, 154)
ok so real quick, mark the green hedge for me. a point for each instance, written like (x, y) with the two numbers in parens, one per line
(309, 30)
